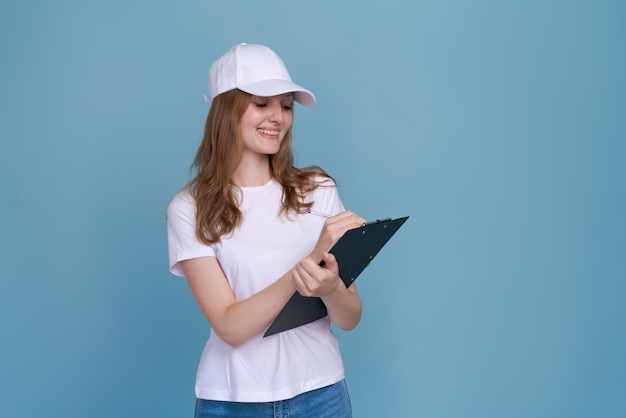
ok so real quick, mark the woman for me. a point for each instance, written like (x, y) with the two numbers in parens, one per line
(248, 231)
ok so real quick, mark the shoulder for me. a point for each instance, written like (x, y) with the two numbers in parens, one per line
(325, 189)
(325, 181)
(315, 174)
(181, 204)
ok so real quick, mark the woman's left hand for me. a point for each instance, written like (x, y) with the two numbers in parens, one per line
(311, 279)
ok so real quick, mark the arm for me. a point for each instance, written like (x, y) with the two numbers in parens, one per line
(234, 321)
(237, 321)
(343, 304)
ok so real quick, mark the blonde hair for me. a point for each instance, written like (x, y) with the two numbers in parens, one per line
(219, 153)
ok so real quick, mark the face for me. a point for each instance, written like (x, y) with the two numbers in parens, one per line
(265, 123)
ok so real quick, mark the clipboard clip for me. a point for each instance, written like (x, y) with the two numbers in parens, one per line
(377, 221)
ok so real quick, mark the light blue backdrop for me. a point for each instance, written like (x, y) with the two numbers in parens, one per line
(498, 126)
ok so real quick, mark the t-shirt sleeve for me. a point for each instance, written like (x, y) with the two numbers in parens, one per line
(182, 242)
(327, 199)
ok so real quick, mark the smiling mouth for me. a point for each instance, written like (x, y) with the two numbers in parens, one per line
(270, 132)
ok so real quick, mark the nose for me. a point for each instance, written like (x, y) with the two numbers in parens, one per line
(276, 113)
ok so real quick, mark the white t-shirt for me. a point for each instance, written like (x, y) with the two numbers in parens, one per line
(263, 248)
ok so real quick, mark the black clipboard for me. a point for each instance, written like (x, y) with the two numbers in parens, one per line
(353, 251)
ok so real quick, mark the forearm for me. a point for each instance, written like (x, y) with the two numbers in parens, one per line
(344, 307)
(233, 320)
(245, 319)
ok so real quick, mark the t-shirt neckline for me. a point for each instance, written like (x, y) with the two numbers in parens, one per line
(270, 184)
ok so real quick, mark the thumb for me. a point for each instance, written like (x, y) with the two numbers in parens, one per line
(330, 262)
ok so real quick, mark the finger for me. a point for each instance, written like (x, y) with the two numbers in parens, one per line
(315, 277)
(306, 279)
(349, 218)
(344, 217)
(330, 262)
(343, 222)
(299, 283)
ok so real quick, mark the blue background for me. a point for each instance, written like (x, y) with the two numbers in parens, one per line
(498, 126)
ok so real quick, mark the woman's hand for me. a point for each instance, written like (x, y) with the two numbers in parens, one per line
(311, 279)
(333, 229)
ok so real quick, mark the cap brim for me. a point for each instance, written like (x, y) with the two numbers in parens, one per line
(268, 88)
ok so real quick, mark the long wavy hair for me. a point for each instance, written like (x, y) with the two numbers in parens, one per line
(219, 154)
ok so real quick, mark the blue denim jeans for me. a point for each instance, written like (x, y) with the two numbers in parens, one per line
(328, 402)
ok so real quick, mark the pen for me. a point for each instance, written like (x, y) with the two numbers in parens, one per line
(314, 212)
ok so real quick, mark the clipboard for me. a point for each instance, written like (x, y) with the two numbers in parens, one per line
(353, 251)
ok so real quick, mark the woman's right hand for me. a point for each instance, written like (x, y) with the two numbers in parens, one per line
(333, 229)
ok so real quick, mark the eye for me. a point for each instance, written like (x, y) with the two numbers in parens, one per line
(260, 104)
(288, 106)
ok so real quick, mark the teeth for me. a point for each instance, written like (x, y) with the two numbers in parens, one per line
(268, 131)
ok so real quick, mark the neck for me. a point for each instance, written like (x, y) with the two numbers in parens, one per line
(252, 173)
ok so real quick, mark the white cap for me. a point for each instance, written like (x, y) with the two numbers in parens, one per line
(257, 70)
